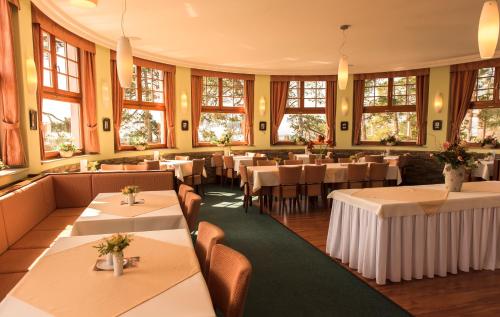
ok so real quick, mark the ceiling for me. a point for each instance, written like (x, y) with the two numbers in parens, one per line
(283, 36)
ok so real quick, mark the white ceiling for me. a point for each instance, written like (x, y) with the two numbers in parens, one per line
(283, 36)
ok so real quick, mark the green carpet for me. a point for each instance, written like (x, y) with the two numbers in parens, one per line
(290, 277)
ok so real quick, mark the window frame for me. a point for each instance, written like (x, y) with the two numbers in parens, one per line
(54, 93)
(390, 108)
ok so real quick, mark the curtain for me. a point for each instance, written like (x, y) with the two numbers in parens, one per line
(196, 99)
(357, 110)
(249, 106)
(331, 92)
(91, 137)
(117, 103)
(279, 96)
(12, 145)
(169, 88)
(461, 88)
(422, 105)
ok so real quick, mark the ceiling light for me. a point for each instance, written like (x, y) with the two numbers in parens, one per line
(343, 70)
(84, 3)
(487, 34)
(124, 58)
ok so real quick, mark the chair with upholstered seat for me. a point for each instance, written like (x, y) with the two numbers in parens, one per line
(344, 160)
(256, 159)
(289, 187)
(228, 280)
(377, 174)
(374, 159)
(111, 167)
(267, 163)
(219, 166)
(196, 178)
(208, 236)
(291, 156)
(192, 205)
(325, 161)
(229, 171)
(151, 165)
(181, 195)
(181, 157)
(357, 175)
(131, 167)
(293, 162)
(248, 192)
(314, 177)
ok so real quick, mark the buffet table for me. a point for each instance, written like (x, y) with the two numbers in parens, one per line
(411, 232)
(165, 282)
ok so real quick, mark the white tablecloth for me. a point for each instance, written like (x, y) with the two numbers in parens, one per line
(94, 221)
(188, 298)
(303, 157)
(464, 234)
(335, 173)
(389, 158)
(483, 170)
(182, 168)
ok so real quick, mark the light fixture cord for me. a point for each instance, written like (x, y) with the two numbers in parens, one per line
(343, 43)
(123, 15)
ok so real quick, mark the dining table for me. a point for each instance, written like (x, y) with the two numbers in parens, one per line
(484, 169)
(161, 277)
(181, 168)
(412, 232)
(109, 213)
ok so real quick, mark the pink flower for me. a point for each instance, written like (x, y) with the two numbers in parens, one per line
(446, 145)
(460, 158)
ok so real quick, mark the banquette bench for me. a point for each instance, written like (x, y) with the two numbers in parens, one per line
(33, 216)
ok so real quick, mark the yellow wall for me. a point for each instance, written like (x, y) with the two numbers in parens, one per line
(439, 82)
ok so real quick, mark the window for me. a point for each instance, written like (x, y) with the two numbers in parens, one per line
(222, 110)
(389, 107)
(61, 97)
(483, 117)
(143, 115)
(305, 111)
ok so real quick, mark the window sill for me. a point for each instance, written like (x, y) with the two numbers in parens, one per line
(12, 171)
(59, 159)
(369, 143)
(12, 175)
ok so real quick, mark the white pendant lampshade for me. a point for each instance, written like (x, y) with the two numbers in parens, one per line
(487, 34)
(124, 62)
(343, 72)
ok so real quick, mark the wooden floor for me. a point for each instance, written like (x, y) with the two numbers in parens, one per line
(476, 293)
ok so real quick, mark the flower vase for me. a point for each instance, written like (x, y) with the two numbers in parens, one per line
(66, 154)
(453, 178)
(109, 259)
(118, 263)
(131, 199)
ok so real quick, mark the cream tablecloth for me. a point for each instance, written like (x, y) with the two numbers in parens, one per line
(394, 240)
(188, 298)
(182, 168)
(483, 170)
(96, 221)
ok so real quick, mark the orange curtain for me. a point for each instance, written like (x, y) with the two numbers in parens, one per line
(279, 95)
(357, 110)
(249, 105)
(12, 145)
(422, 105)
(169, 88)
(117, 103)
(196, 99)
(91, 137)
(461, 88)
(331, 92)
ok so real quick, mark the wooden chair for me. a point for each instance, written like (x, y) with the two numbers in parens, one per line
(151, 165)
(377, 174)
(192, 206)
(228, 280)
(196, 178)
(181, 158)
(132, 167)
(219, 166)
(314, 177)
(229, 171)
(181, 195)
(314, 157)
(266, 163)
(344, 160)
(289, 187)
(248, 193)
(208, 236)
(496, 170)
(293, 162)
(374, 159)
(291, 156)
(356, 175)
(325, 161)
(256, 159)
(111, 167)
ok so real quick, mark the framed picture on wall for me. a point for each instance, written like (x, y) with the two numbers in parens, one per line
(106, 124)
(262, 126)
(33, 120)
(344, 125)
(184, 125)
(437, 125)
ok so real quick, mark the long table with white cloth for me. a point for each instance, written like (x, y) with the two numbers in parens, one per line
(411, 232)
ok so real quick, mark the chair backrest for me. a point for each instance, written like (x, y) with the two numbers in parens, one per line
(290, 175)
(151, 165)
(192, 206)
(314, 157)
(208, 236)
(325, 161)
(329, 155)
(181, 194)
(260, 155)
(228, 161)
(291, 156)
(218, 161)
(378, 171)
(392, 162)
(266, 163)
(250, 154)
(374, 159)
(356, 172)
(255, 159)
(181, 157)
(496, 170)
(345, 160)
(112, 167)
(243, 174)
(198, 165)
(293, 162)
(131, 167)
(314, 174)
(228, 279)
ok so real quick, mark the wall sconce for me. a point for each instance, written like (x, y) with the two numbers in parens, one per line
(262, 106)
(31, 75)
(438, 102)
(344, 106)
(184, 103)
(105, 93)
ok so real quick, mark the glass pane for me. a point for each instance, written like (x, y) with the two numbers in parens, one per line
(309, 84)
(61, 65)
(479, 123)
(72, 52)
(381, 81)
(62, 82)
(60, 47)
(293, 103)
(158, 96)
(309, 103)
(47, 63)
(138, 125)
(376, 126)
(74, 85)
(307, 126)
(60, 123)
(47, 78)
(73, 68)
(131, 93)
(46, 41)
(214, 125)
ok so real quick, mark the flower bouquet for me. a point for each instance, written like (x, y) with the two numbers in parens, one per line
(67, 149)
(130, 192)
(390, 140)
(489, 142)
(112, 248)
(456, 160)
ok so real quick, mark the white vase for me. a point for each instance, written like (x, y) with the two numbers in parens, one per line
(66, 154)
(109, 259)
(118, 263)
(131, 199)
(227, 151)
(453, 178)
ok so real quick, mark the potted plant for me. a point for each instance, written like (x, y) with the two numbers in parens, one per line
(389, 140)
(93, 166)
(2, 165)
(456, 160)
(489, 142)
(67, 149)
(130, 192)
(224, 141)
(112, 248)
(140, 143)
(300, 140)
